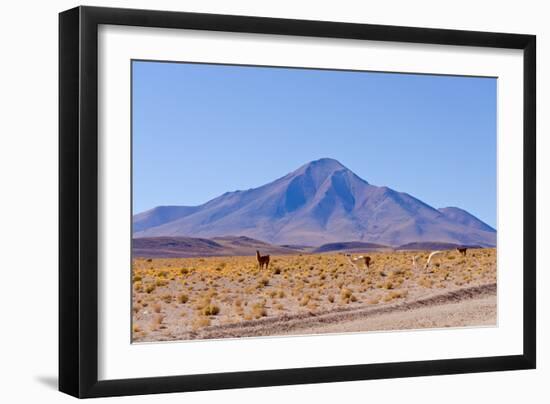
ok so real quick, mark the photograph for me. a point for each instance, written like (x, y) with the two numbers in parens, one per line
(287, 201)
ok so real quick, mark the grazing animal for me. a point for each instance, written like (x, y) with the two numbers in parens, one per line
(462, 250)
(414, 261)
(263, 260)
(433, 254)
(352, 261)
(367, 262)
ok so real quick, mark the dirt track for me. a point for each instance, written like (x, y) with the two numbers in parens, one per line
(472, 306)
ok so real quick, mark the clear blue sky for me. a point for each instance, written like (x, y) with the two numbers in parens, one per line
(202, 130)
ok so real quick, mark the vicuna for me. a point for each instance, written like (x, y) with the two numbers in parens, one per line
(263, 260)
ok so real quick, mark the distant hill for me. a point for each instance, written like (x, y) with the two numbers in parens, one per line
(187, 247)
(351, 246)
(172, 247)
(298, 247)
(321, 202)
(433, 245)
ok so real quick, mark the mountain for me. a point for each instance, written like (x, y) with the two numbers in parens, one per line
(321, 202)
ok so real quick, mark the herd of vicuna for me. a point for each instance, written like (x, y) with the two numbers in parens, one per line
(263, 260)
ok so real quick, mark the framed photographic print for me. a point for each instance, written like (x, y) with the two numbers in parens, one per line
(250, 201)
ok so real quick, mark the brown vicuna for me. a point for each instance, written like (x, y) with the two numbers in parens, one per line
(462, 250)
(263, 260)
(367, 262)
(366, 259)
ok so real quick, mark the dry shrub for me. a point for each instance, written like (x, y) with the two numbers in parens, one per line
(305, 300)
(388, 297)
(425, 282)
(202, 303)
(398, 294)
(211, 310)
(312, 306)
(395, 294)
(200, 322)
(157, 307)
(161, 282)
(262, 283)
(157, 320)
(183, 298)
(373, 300)
(258, 310)
(346, 293)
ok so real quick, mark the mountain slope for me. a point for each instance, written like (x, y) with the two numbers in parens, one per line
(160, 215)
(321, 202)
(461, 216)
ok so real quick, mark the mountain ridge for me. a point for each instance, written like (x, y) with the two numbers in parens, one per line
(320, 202)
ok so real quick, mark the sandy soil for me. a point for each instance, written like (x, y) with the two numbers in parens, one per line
(475, 312)
(229, 297)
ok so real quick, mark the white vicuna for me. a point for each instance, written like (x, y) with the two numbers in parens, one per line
(433, 254)
(415, 260)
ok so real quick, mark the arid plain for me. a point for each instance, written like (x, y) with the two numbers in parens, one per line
(230, 297)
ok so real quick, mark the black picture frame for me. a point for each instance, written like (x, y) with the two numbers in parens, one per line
(78, 206)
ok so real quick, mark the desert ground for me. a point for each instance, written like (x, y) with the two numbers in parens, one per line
(230, 297)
